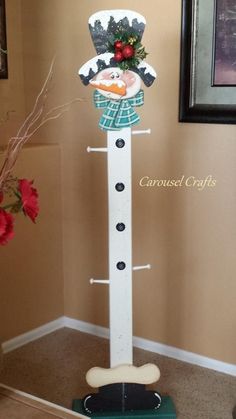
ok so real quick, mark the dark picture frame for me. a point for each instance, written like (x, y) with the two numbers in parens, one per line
(224, 70)
(199, 99)
(3, 42)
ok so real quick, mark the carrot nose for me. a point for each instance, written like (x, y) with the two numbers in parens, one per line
(114, 86)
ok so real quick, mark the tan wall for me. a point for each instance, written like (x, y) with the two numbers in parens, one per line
(188, 298)
(31, 279)
(12, 89)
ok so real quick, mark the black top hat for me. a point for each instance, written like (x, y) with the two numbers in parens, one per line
(107, 25)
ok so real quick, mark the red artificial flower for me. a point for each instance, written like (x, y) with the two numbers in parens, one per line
(6, 227)
(29, 198)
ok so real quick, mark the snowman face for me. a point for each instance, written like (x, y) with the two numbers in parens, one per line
(115, 83)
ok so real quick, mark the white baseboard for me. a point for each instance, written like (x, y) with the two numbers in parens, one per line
(138, 342)
(185, 356)
(156, 347)
(92, 329)
(32, 335)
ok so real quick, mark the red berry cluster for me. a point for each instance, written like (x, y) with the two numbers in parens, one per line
(123, 51)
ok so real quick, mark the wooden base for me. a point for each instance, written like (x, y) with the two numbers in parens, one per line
(166, 411)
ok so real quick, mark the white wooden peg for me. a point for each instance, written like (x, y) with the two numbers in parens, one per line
(138, 268)
(99, 281)
(141, 131)
(97, 149)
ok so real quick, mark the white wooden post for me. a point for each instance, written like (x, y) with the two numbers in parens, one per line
(122, 371)
(120, 246)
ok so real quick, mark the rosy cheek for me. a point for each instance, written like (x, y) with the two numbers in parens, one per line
(128, 78)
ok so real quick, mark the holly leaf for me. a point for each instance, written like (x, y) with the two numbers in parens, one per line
(138, 45)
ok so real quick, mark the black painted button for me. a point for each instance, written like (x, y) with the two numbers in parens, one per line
(120, 226)
(121, 266)
(120, 187)
(120, 143)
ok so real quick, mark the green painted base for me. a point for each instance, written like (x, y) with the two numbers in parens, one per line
(167, 410)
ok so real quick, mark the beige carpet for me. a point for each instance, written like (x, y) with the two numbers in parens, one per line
(54, 367)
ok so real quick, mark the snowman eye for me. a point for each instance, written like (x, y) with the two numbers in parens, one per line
(114, 76)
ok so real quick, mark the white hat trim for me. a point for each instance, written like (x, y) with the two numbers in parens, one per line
(105, 15)
(148, 68)
(92, 64)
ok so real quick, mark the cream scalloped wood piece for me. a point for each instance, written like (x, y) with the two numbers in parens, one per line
(146, 374)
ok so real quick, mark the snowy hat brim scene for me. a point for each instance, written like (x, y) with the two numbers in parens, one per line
(107, 25)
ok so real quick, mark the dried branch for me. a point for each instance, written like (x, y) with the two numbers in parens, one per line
(34, 121)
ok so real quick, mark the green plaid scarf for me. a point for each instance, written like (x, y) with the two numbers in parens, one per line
(118, 113)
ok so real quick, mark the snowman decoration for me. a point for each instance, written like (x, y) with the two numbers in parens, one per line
(116, 74)
(118, 69)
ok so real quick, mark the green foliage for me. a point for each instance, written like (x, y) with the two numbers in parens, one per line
(128, 38)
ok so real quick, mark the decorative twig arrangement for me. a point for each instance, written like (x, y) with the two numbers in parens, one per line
(22, 189)
(34, 121)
